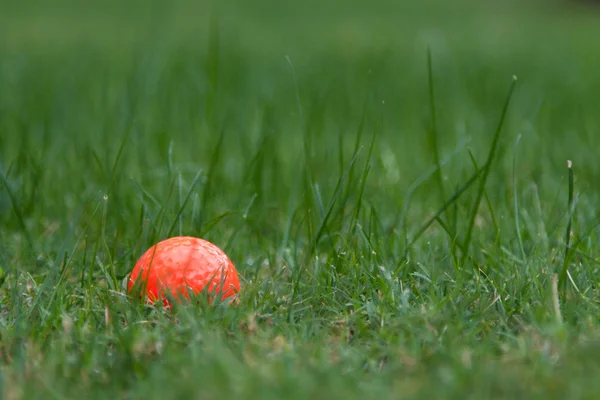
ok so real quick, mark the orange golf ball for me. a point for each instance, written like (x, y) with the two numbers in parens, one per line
(182, 264)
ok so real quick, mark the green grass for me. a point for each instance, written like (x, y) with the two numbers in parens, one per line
(397, 206)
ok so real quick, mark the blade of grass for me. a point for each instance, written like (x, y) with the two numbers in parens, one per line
(52, 281)
(181, 204)
(291, 206)
(143, 193)
(453, 237)
(242, 223)
(111, 275)
(332, 202)
(440, 211)
(213, 222)
(160, 219)
(308, 174)
(433, 133)
(563, 273)
(486, 172)
(361, 191)
(17, 211)
(210, 176)
(485, 195)
(309, 183)
(298, 102)
(359, 134)
(434, 149)
(184, 203)
(541, 229)
(556, 300)
(318, 235)
(516, 201)
(100, 165)
(400, 218)
(121, 147)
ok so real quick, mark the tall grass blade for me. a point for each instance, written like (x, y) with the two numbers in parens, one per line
(17, 211)
(210, 177)
(516, 202)
(565, 266)
(485, 195)
(440, 211)
(486, 172)
(433, 133)
(184, 203)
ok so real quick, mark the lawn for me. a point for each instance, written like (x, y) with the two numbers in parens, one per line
(391, 180)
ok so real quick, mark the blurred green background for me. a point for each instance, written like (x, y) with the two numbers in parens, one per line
(76, 76)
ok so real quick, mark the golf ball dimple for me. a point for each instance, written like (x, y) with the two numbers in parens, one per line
(181, 264)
